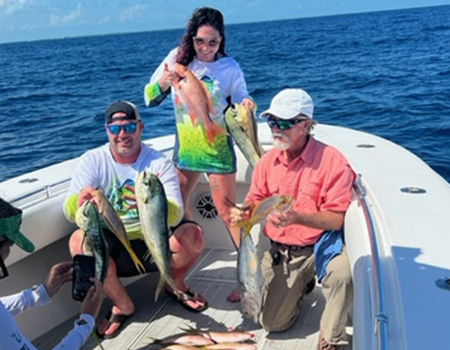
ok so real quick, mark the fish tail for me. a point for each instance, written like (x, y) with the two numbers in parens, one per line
(190, 330)
(214, 130)
(162, 282)
(160, 286)
(138, 264)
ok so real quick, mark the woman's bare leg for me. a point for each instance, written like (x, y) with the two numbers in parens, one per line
(188, 181)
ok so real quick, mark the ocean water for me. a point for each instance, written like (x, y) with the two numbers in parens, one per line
(386, 73)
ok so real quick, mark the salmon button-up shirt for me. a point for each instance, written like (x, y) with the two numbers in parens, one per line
(320, 179)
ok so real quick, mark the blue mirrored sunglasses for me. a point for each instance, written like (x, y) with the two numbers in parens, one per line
(283, 124)
(129, 128)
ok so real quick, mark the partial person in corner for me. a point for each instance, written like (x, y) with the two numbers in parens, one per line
(202, 143)
(309, 236)
(113, 169)
(10, 306)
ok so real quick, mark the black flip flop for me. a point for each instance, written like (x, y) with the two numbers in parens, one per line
(183, 297)
(113, 318)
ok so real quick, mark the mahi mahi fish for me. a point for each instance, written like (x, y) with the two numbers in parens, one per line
(184, 339)
(231, 346)
(243, 128)
(249, 278)
(280, 203)
(196, 99)
(222, 337)
(115, 225)
(88, 219)
(153, 211)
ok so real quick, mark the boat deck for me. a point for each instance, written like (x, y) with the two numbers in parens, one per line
(214, 277)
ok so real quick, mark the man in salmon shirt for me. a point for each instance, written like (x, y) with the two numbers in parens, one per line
(309, 236)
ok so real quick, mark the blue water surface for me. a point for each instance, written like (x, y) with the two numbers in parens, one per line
(386, 73)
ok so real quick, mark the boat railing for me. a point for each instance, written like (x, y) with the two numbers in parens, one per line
(381, 316)
(45, 192)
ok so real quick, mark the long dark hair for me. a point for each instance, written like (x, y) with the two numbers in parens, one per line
(204, 16)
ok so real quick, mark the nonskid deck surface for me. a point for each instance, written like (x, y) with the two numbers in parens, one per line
(214, 277)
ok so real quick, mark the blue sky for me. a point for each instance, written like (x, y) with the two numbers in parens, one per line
(43, 19)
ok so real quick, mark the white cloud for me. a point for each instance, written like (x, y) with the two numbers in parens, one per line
(56, 20)
(132, 13)
(12, 6)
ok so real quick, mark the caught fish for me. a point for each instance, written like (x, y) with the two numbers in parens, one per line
(243, 128)
(153, 210)
(232, 346)
(180, 347)
(249, 277)
(88, 219)
(196, 99)
(223, 337)
(280, 203)
(185, 339)
(115, 225)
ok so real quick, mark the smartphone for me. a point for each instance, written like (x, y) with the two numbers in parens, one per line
(83, 270)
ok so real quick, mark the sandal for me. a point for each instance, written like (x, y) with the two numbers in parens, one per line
(113, 318)
(184, 297)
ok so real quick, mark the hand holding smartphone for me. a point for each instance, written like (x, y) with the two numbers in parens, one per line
(83, 271)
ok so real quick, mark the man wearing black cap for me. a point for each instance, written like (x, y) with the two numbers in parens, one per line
(113, 168)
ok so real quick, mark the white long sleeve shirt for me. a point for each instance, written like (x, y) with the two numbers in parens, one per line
(12, 339)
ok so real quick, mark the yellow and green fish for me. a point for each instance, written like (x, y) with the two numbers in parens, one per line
(242, 124)
(280, 203)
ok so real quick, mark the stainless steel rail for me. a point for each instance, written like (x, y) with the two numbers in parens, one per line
(381, 317)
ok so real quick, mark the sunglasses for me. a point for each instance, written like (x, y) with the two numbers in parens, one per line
(211, 43)
(129, 128)
(283, 124)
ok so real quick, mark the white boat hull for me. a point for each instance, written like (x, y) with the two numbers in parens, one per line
(411, 230)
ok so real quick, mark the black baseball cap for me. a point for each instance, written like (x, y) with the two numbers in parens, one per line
(126, 107)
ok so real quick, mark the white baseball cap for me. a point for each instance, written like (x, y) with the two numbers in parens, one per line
(289, 103)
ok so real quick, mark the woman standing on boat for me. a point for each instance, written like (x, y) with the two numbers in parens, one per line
(202, 146)
(10, 335)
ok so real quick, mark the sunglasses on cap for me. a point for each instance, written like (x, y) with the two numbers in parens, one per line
(283, 124)
(211, 43)
(129, 128)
